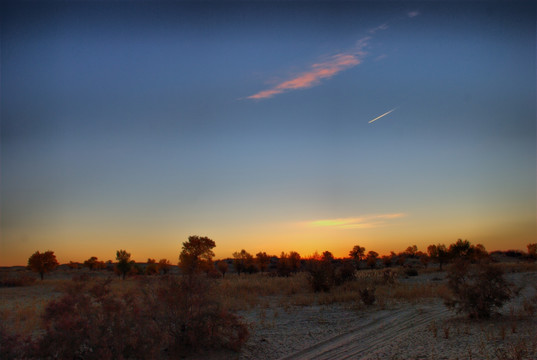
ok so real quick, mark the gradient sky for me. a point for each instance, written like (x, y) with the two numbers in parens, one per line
(134, 125)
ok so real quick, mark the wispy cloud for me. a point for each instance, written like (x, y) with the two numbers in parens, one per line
(361, 222)
(378, 28)
(322, 70)
(413, 13)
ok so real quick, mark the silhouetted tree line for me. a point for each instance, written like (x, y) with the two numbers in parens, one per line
(198, 255)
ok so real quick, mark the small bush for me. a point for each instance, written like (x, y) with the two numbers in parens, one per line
(344, 273)
(477, 290)
(411, 272)
(321, 274)
(367, 296)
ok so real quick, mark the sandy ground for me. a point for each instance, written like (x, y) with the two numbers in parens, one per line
(427, 330)
(423, 330)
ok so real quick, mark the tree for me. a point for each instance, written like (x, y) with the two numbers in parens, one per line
(73, 265)
(94, 264)
(438, 253)
(42, 262)
(327, 256)
(532, 250)
(152, 267)
(244, 262)
(124, 264)
(196, 253)
(263, 260)
(222, 267)
(372, 259)
(411, 251)
(163, 266)
(294, 261)
(460, 249)
(357, 254)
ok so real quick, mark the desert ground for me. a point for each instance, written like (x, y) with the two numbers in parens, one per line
(287, 320)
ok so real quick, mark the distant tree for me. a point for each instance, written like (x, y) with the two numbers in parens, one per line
(372, 259)
(196, 253)
(532, 250)
(73, 265)
(438, 253)
(460, 249)
(94, 264)
(263, 261)
(163, 266)
(222, 266)
(124, 264)
(327, 256)
(151, 267)
(411, 251)
(294, 261)
(357, 254)
(283, 267)
(479, 253)
(243, 261)
(387, 260)
(424, 259)
(42, 262)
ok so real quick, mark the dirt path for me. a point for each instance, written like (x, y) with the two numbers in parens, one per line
(374, 332)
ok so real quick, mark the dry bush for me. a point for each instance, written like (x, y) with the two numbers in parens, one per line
(101, 319)
(367, 295)
(321, 274)
(477, 290)
(91, 323)
(192, 317)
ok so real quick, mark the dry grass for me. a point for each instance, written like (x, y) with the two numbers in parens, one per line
(258, 290)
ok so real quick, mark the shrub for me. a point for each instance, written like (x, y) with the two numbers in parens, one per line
(477, 290)
(344, 273)
(192, 317)
(90, 322)
(161, 318)
(367, 295)
(321, 273)
(411, 272)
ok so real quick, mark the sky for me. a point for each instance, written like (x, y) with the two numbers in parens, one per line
(266, 126)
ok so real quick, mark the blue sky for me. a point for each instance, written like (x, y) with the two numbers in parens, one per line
(135, 125)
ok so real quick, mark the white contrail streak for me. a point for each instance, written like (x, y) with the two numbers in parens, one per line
(378, 117)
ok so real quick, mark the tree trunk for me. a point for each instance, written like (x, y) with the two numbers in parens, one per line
(41, 274)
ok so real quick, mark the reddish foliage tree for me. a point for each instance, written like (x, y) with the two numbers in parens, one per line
(43, 262)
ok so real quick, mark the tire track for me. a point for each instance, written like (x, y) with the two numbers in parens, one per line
(379, 330)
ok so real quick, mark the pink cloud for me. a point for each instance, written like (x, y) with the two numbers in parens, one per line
(412, 14)
(316, 73)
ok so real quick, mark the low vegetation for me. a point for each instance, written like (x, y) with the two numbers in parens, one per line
(154, 312)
